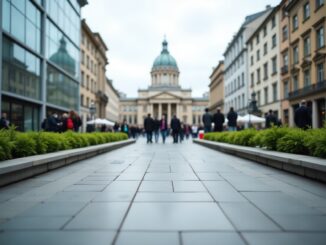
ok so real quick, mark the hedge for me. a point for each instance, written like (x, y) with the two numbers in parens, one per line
(15, 144)
(291, 140)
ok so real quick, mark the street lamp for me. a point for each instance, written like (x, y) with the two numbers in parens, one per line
(92, 111)
(252, 107)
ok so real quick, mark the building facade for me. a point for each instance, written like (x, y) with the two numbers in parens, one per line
(236, 65)
(112, 109)
(163, 96)
(216, 88)
(264, 63)
(40, 59)
(307, 58)
(93, 79)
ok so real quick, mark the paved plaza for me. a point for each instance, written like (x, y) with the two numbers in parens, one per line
(164, 194)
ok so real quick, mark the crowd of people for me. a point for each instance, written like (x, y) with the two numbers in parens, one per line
(156, 128)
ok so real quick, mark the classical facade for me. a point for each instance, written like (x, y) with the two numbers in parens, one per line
(93, 79)
(112, 109)
(39, 65)
(163, 96)
(236, 75)
(216, 88)
(307, 58)
(264, 60)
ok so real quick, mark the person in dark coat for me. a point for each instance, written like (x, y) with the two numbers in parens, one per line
(163, 127)
(302, 116)
(125, 128)
(176, 127)
(232, 120)
(207, 121)
(54, 123)
(149, 125)
(4, 123)
(156, 129)
(218, 120)
(270, 120)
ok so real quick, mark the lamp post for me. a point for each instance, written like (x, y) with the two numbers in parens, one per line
(252, 107)
(92, 111)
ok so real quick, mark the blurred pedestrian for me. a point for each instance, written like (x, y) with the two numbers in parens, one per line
(175, 126)
(149, 127)
(163, 127)
(270, 119)
(207, 121)
(124, 127)
(156, 129)
(218, 120)
(302, 116)
(232, 120)
(4, 122)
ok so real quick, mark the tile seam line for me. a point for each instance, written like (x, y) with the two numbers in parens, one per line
(222, 210)
(132, 201)
(62, 228)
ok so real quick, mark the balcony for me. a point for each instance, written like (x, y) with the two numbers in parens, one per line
(284, 70)
(308, 90)
(102, 97)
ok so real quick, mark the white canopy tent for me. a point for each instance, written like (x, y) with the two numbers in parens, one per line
(250, 118)
(99, 121)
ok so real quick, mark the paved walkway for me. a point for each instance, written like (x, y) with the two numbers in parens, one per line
(164, 194)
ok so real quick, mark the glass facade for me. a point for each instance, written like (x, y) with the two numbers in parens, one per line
(22, 19)
(28, 93)
(20, 71)
(61, 90)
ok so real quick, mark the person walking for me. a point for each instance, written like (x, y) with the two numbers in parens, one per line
(4, 122)
(156, 129)
(175, 126)
(54, 123)
(232, 120)
(270, 120)
(207, 121)
(163, 127)
(302, 116)
(149, 127)
(125, 128)
(218, 120)
(77, 122)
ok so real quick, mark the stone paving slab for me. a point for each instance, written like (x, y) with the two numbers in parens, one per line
(181, 194)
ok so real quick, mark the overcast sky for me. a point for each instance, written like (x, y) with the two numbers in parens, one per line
(197, 31)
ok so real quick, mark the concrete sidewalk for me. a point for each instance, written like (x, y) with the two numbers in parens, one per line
(164, 194)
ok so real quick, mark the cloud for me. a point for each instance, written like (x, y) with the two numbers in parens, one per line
(198, 32)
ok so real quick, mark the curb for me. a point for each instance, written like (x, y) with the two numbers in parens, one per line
(22, 168)
(311, 167)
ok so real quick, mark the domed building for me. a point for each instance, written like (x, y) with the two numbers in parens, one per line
(163, 96)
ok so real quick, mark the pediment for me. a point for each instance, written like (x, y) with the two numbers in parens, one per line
(164, 96)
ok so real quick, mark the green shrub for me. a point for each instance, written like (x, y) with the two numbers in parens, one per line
(6, 147)
(24, 146)
(293, 142)
(244, 137)
(271, 135)
(41, 146)
(315, 141)
(55, 142)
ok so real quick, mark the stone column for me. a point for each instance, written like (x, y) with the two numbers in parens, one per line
(151, 109)
(169, 113)
(159, 110)
(291, 116)
(314, 114)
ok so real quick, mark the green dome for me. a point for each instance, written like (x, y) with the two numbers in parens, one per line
(165, 59)
(63, 59)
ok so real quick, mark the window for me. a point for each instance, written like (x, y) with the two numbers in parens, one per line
(238, 82)
(258, 75)
(87, 62)
(266, 95)
(286, 89)
(319, 3)
(320, 72)
(306, 78)
(258, 98)
(258, 55)
(252, 79)
(306, 46)
(274, 65)
(87, 102)
(285, 59)
(242, 77)
(83, 57)
(265, 31)
(273, 22)
(265, 48)
(295, 82)
(251, 46)
(252, 60)
(274, 92)
(320, 38)
(266, 71)
(306, 11)
(295, 55)
(257, 38)
(295, 23)
(82, 79)
(82, 100)
(87, 82)
(274, 41)
(285, 33)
